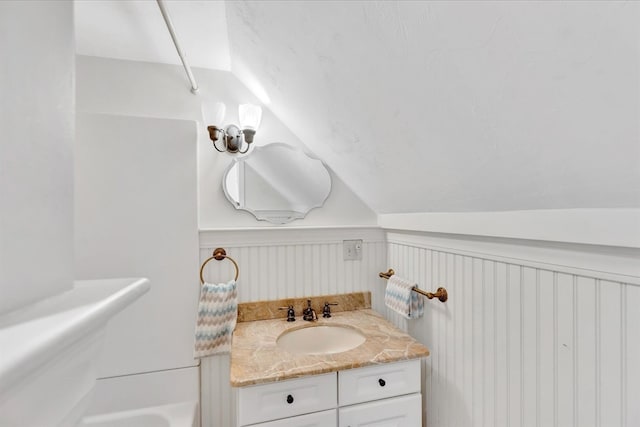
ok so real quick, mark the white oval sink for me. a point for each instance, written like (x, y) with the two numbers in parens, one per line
(321, 339)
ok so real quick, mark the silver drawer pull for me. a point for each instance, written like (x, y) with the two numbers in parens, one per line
(289, 399)
(382, 382)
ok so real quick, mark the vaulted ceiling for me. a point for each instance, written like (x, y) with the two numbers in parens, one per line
(135, 30)
(425, 106)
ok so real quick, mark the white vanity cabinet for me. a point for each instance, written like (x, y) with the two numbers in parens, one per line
(317, 419)
(378, 382)
(285, 399)
(381, 395)
(401, 411)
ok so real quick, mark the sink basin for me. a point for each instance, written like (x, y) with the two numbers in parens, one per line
(320, 339)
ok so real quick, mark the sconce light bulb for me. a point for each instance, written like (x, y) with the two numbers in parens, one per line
(250, 116)
(213, 113)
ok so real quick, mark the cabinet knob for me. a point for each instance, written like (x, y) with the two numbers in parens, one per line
(289, 399)
(382, 382)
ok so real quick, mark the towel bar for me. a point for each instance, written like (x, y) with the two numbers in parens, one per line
(219, 254)
(440, 293)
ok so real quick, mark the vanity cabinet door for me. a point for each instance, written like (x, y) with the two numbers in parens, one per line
(317, 419)
(378, 382)
(397, 412)
(272, 401)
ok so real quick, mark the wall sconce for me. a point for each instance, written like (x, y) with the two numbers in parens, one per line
(235, 139)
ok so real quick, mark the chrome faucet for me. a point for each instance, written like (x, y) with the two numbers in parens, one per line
(309, 313)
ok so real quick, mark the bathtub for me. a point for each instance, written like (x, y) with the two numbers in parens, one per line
(49, 351)
(174, 415)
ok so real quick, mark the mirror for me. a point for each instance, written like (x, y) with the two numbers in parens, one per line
(277, 183)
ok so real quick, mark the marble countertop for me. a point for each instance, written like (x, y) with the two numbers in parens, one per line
(255, 358)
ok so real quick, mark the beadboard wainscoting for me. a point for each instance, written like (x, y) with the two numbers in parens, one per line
(280, 263)
(530, 335)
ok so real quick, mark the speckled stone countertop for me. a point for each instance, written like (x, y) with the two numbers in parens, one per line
(256, 359)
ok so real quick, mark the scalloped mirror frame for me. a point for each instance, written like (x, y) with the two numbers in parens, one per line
(293, 184)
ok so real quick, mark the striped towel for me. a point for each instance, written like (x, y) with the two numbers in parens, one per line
(400, 298)
(217, 315)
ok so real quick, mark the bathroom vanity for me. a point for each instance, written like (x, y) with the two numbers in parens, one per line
(376, 383)
(388, 393)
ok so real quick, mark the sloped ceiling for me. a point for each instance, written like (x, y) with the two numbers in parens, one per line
(424, 106)
(456, 106)
(135, 30)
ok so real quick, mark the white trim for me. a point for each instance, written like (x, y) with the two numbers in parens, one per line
(607, 263)
(609, 227)
(619, 264)
(274, 236)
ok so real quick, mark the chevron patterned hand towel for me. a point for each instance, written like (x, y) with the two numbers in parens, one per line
(217, 316)
(400, 298)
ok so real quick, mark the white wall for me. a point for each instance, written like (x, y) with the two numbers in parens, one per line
(136, 216)
(36, 152)
(604, 227)
(156, 90)
(533, 333)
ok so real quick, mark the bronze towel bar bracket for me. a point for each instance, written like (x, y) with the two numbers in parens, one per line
(440, 293)
(219, 254)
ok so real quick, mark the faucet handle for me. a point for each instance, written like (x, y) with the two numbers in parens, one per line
(326, 311)
(309, 313)
(291, 314)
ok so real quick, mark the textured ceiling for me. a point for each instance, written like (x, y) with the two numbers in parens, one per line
(424, 106)
(135, 30)
(455, 106)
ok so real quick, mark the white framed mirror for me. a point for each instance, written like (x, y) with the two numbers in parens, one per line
(277, 183)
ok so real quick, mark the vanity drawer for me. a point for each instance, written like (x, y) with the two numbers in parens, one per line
(317, 419)
(378, 382)
(404, 411)
(283, 399)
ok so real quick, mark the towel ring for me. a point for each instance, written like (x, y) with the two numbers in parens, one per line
(219, 254)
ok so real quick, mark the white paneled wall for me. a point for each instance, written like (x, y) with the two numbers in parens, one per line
(522, 342)
(283, 263)
(530, 335)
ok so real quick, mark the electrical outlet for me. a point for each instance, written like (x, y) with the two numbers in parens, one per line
(352, 250)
